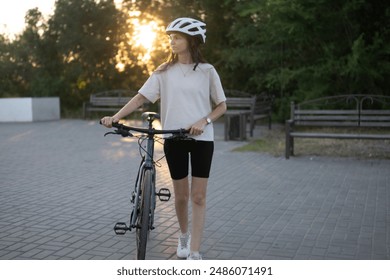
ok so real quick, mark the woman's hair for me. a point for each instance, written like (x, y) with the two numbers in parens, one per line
(194, 43)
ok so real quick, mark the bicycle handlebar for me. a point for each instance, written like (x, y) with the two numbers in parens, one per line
(149, 131)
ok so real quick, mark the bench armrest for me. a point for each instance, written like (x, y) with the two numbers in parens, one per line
(290, 123)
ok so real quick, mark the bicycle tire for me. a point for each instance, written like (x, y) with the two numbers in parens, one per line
(143, 223)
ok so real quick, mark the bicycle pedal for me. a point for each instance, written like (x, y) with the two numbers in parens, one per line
(120, 228)
(164, 194)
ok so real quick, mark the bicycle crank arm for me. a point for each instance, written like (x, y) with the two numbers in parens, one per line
(121, 228)
(164, 194)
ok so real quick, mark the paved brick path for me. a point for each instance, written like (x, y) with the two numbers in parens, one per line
(63, 186)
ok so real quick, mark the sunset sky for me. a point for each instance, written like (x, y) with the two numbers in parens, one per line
(12, 13)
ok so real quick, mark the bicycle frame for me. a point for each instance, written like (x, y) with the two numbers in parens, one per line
(147, 163)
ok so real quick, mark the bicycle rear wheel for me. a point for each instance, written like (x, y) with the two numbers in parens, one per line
(143, 222)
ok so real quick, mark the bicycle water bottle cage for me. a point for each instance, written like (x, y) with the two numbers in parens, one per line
(164, 194)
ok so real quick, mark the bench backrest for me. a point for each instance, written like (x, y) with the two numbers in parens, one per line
(375, 118)
(256, 104)
(239, 100)
(112, 97)
(241, 103)
(263, 104)
(357, 111)
(326, 117)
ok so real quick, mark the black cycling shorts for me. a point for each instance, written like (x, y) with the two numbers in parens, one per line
(180, 152)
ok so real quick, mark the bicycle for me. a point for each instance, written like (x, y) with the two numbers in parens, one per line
(144, 195)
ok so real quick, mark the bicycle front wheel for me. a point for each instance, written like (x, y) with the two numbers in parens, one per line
(143, 223)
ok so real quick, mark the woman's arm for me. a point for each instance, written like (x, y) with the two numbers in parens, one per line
(137, 101)
(198, 127)
(218, 111)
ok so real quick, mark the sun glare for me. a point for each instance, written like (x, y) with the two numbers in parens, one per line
(145, 36)
(141, 46)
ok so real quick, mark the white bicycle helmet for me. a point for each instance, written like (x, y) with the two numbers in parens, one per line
(188, 26)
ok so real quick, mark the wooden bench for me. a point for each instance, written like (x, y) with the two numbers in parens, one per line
(242, 108)
(357, 113)
(107, 101)
(262, 110)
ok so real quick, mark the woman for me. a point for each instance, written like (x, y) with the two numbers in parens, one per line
(191, 96)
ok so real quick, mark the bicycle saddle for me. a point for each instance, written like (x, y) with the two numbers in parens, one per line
(150, 116)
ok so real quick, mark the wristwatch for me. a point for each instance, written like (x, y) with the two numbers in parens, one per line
(208, 120)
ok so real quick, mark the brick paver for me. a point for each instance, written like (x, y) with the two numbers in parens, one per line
(63, 187)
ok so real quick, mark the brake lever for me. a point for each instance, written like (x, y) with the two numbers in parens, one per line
(105, 134)
(121, 132)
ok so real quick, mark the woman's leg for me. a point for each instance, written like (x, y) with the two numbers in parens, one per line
(201, 158)
(181, 205)
(198, 200)
(177, 156)
(181, 188)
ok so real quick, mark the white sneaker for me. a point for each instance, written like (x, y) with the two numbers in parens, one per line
(183, 247)
(194, 256)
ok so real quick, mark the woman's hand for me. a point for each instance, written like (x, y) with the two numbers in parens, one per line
(107, 121)
(198, 127)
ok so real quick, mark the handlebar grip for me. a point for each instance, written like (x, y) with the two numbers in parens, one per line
(117, 125)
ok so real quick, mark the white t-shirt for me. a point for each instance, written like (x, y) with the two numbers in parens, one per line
(186, 95)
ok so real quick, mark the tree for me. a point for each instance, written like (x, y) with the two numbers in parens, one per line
(7, 68)
(19, 59)
(300, 49)
(88, 45)
(216, 14)
(83, 36)
(294, 49)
